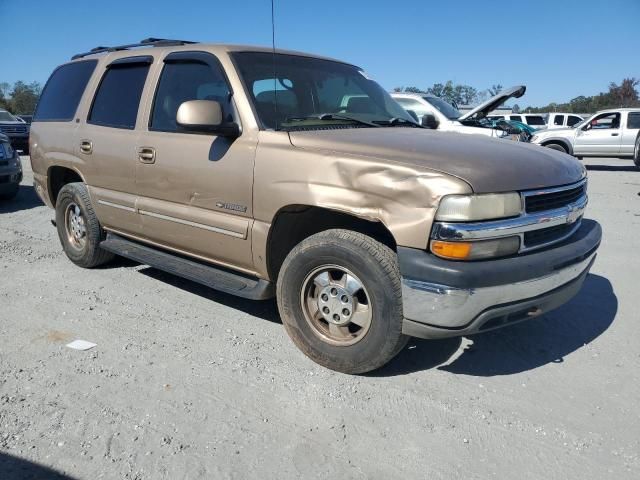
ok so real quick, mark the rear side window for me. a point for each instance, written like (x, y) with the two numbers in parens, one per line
(633, 121)
(572, 120)
(535, 120)
(517, 118)
(118, 97)
(558, 120)
(63, 91)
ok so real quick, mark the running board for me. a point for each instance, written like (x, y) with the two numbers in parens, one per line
(205, 274)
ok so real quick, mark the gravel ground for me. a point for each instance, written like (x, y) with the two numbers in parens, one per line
(189, 383)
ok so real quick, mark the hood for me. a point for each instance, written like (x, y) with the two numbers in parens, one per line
(555, 132)
(488, 165)
(494, 102)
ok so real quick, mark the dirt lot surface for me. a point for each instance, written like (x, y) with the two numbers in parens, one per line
(189, 383)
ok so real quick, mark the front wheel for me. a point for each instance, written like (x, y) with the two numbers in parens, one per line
(636, 152)
(340, 299)
(556, 146)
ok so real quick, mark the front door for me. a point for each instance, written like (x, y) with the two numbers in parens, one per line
(195, 188)
(601, 136)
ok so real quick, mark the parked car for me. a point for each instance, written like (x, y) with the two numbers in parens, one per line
(10, 169)
(532, 120)
(436, 113)
(16, 130)
(608, 133)
(26, 118)
(562, 120)
(205, 161)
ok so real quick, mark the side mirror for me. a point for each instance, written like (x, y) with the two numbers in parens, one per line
(413, 115)
(205, 116)
(429, 121)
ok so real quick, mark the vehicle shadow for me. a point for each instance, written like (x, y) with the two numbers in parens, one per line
(613, 168)
(263, 309)
(520, 347)
(26, 199)
(15, 468)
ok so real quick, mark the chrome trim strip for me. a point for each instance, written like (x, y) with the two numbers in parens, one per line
(542, 191)
(192, 224)
(116, 205)
(510, 226)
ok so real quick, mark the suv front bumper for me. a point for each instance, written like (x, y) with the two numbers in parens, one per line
(443, 298)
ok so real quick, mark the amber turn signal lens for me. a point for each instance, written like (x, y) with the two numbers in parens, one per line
(454, 250)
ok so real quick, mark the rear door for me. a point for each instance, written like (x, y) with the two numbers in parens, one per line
(108, 140)
(601, 136)
(631, 127)
(195, 188)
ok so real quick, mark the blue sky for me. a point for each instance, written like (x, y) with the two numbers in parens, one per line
(559, 49)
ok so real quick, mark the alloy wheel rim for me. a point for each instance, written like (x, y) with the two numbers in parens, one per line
(336, 305)
(75, 226)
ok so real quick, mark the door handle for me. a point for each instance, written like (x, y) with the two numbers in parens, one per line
(615, 134)
(147, 154)
(86, 147)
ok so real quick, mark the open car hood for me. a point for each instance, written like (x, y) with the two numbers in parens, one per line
(494, 102)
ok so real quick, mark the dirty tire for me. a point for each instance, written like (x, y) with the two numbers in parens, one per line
(369, 260)
(636, 151)
(8, 195)
(88, 255)
(556, 146)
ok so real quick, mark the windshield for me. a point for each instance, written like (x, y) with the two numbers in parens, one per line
(444, 107)
(7, 117)
(313, 93)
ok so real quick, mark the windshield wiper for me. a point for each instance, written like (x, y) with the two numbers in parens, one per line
(398, 121)
(333, 116)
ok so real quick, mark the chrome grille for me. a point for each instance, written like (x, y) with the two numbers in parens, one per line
(550, 200)
(13, 129)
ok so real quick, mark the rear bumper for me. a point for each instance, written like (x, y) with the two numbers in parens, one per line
(444, 298)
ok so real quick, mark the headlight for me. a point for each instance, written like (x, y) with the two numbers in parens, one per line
(467, 208)
(500, 247)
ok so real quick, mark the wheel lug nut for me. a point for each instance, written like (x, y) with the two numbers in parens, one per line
(326, 310)
(336, 317)
(334, 292)
(324, 297)
(344, 299)
(345, 312)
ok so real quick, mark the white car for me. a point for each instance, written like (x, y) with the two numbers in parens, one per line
(608, 133)
(434, 112)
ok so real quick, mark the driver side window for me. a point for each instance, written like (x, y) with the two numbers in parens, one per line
(605, 121)
(183, 81)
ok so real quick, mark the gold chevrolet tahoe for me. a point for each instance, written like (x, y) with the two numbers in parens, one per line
(267, 173)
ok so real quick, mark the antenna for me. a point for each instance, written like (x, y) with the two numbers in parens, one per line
(273, 53)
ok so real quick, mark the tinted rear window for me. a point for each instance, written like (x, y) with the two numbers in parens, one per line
(63, 91)
(633, 121)
(118, 96)
(572, 120)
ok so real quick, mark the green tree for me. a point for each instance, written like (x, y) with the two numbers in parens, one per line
(5, 99)
(24, 97)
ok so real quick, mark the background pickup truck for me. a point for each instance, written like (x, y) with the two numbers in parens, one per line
(608, 133)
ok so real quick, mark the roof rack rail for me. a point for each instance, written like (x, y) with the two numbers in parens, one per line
(147, 42)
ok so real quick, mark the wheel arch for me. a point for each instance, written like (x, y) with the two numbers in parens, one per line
(293, 223)
(57, 177)
(559, 141)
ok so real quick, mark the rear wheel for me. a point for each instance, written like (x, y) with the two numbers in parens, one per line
(78, 227)
(556, 146)
(636, 152)
(339, 295)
